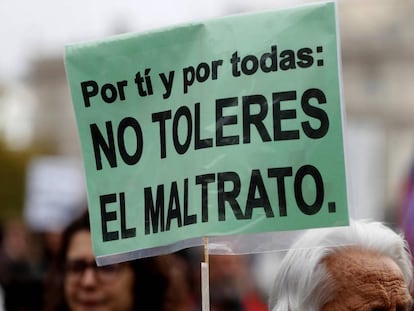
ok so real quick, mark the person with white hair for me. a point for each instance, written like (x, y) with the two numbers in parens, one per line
(362, 267)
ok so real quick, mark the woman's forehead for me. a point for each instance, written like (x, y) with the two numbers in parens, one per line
(80, 245)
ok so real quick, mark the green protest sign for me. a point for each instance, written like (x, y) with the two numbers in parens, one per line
(231, 126)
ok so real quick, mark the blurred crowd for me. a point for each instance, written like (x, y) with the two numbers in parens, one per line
(53, 271)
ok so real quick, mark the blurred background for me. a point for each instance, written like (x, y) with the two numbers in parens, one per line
(41, 177)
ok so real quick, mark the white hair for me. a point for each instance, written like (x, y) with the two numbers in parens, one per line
(302, 282)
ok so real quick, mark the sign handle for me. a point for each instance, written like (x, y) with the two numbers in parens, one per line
(205, 288)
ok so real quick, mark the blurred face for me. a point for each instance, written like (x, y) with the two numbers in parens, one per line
(227, 268)
(228, 281)
(88, 288)
(366, 281)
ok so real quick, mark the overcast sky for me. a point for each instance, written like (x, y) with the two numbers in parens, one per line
(30, 29)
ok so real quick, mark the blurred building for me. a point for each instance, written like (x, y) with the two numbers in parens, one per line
(377, 56)
(17, 105)
(54, 119)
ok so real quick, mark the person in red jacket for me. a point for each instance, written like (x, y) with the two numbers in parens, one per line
(231, 285)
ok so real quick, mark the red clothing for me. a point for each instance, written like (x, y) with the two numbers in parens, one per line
(251, 302)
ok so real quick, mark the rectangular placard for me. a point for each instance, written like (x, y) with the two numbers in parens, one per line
(229, 126)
